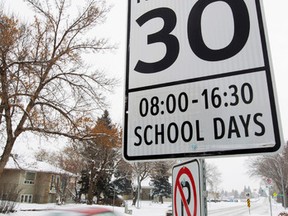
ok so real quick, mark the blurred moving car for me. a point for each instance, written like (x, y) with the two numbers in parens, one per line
(91, 211)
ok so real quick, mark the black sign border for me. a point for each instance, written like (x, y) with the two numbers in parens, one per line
(266, 68)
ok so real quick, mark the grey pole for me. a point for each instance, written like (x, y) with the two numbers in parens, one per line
(204, 192)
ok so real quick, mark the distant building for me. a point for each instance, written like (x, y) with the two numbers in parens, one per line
(36, 182)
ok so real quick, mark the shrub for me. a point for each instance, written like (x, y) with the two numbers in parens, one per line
(8, 196)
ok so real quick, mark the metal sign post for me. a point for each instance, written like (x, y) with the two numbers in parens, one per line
(188, 189)
(248, 202)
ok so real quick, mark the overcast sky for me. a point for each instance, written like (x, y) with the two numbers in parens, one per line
(233, 169)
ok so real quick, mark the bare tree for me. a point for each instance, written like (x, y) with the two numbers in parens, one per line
(213, 178)
(68, 158)
(273, 167)
(141, 171)
(46, 87)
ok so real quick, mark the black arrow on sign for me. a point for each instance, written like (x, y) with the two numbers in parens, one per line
(185, 184)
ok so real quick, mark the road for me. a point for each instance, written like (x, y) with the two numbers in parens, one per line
(258, 208)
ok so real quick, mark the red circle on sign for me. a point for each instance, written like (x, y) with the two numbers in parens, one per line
(182, 171)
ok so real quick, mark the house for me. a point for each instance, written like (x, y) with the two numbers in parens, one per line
(146, 192)
(36, 182)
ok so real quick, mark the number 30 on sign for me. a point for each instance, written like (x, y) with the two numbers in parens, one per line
(195, 38)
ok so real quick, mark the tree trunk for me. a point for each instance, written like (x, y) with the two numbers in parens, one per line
(161, 199)
(90, 194)
(286, 198)
(91, 188)
(98, 197)
(134, 198)
(10, 140)
(6, 154)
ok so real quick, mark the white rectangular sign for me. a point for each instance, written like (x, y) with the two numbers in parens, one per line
(199, 80)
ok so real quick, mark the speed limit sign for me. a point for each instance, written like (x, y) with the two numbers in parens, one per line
(199, 80)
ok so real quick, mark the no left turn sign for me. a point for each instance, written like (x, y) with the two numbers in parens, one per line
(187, 189)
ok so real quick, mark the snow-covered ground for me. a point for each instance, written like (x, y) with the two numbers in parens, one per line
(147, 208)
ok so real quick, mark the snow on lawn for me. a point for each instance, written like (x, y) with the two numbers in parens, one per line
(276, 207)
(147, 208)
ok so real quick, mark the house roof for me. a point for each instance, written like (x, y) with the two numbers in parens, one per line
(33, 165)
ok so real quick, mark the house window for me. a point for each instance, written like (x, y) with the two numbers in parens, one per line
(29, 178)
(26, 198)
(57, 181)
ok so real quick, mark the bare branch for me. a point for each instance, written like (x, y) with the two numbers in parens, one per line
(45, 85)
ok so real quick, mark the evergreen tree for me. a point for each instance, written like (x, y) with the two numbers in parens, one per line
(160, 180)
(123, 185)
(101, 156)
(84, 184)
(103, 186)
(106, 120)
(235, 194)
(123, 176)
